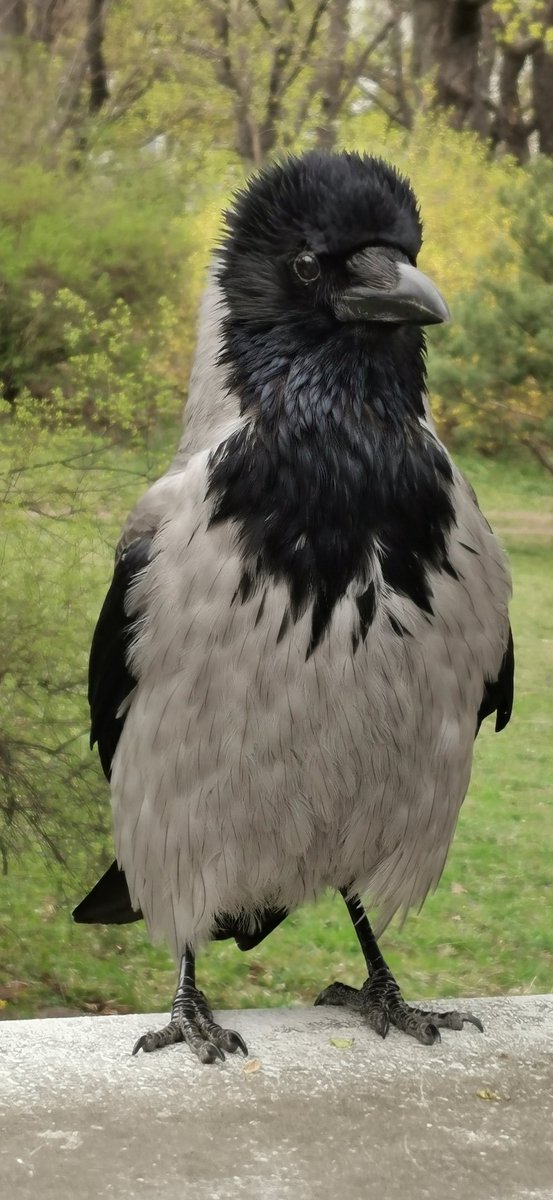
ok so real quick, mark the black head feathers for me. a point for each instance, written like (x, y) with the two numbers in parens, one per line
(301, 221)
(334, 204)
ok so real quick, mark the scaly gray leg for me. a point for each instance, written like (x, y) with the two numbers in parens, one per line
(192, 1022)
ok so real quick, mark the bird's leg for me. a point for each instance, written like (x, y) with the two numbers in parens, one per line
(192, 1022)
(379, 1000)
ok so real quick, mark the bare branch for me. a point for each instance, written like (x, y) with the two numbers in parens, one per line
(359, 66)
(398, 117)
(13, 18)
(538, 451)
(253, 4)
(309, 40)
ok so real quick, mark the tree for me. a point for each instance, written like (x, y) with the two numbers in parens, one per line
(491, 66)
(291, 66)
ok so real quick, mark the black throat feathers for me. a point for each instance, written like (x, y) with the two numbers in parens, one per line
(332, 466)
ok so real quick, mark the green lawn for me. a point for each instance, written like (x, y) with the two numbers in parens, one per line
(488, 928)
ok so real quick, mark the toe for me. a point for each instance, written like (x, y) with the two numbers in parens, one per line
(326, 996)
(339, 995)
(232, 1042)
(426, 1032)
(456, 1020)
(208, 1052)
(156, 1039)
(143, 1043)
(378, 1018)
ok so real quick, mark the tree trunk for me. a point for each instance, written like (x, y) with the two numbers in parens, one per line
(427, 17)
(510, 129)
(452, 42)
(97, 73)
(13, 18)
(456, 84)
(246, 140)
(542, 93)
(42, 26)
(481, 119)
(542, 90)
(332, 73)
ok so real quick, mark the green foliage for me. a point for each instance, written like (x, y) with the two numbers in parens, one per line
(522, 19)
(108, 248)
(64, 495)
(118, 378)
(492, 369)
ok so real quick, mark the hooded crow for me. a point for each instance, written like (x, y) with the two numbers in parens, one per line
(308, 617)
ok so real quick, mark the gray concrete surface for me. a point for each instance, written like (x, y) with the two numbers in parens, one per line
(470, 1119)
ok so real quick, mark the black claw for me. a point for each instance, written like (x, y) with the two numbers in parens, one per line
(238, 1043)
(473, 1021)
(456, 1020)
(429, 1035)
(381, 1024)
(208, 1052)
(139, 1044)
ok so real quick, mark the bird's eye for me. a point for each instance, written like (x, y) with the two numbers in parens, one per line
(307, 267)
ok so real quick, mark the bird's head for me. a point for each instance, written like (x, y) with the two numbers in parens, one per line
(323, 245)
(322, 342)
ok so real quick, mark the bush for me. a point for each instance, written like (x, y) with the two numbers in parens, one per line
(492, 369)
(65, 494)
(107, 246)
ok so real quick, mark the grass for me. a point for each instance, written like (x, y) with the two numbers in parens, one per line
(486, 930)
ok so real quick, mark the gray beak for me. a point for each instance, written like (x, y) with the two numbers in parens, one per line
(386, 290)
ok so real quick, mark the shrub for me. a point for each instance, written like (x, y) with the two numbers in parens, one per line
(492, 369)
(109, 246)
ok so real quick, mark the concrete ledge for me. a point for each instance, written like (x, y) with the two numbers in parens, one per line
(470, 1119)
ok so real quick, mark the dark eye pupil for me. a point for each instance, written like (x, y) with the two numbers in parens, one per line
(307, 267)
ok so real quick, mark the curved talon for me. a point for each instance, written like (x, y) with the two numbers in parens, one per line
(379, 1021)
(456, 1020)
(429, 1035)
(238, 1043)
(139, 1045)
(468, 1017)
(208, 1052)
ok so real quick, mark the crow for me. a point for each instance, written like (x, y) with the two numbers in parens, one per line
(308, 616)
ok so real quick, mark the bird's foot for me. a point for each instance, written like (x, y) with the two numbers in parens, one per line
(192, 1022)
(380, 1003)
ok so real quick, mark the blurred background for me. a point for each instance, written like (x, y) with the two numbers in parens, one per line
(125, 127)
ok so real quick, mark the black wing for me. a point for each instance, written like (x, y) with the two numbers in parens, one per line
(499, 693)
(109, 678)
(110, 682)
(109, 902)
